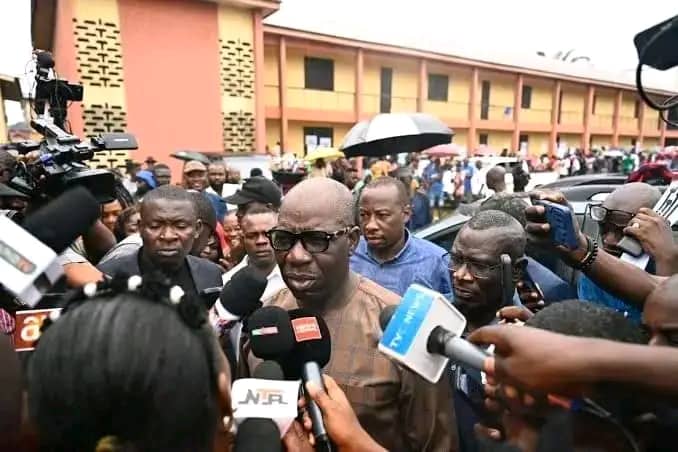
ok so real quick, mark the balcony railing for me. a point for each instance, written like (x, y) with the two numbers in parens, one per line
(601, 121)
(320, 100)
(536, 115)
(496, 112)
(571, 117)
(628, 123)
(373, 103)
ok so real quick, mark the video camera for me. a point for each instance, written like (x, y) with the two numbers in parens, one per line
(56, 163)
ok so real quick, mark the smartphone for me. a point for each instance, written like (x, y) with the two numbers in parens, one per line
(562, 224)
(532, 285)
(507, 286)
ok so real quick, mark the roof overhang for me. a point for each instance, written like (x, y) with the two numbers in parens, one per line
(267, 7)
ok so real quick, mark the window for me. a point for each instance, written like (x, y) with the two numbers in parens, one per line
(318, 74)
(636, 109)
(437, 87)
(526, 100)
(385, 94)
(633, 142)
(485, 100)
(673, 117)
(482, 139)
(317, 137)
(560, 105)
(595, 102)
(524, 138)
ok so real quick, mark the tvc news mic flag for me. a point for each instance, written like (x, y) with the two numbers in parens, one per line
(267, 399)
(406, 336)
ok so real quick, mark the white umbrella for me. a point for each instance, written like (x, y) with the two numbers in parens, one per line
(392, 133)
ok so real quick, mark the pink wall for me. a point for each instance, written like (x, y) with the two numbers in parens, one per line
(171, 62)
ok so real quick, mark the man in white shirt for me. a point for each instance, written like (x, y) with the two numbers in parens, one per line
(260, 256)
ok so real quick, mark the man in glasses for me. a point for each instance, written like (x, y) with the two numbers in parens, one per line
(387, 253)
(475, 266)
(613, 216)
(313, 241)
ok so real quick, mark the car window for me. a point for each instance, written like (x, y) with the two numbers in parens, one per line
(605, 181)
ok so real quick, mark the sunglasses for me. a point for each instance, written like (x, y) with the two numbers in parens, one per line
(312, 241)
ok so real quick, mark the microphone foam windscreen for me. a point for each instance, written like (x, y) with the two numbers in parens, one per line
(312, 343)
(385, 315)
(242, 294)
(64, 219)
(258, 435)
(268, 370)
(271, 334)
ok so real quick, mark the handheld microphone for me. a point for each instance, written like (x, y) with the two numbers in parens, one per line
(271, 335)
(265, 397)
(415, 337)
(28, 267)
(258, 435)
(241, 296)
(311, 352)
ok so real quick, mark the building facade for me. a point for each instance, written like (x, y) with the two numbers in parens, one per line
(212, 76)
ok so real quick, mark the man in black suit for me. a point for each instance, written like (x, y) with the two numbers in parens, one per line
(168, 228)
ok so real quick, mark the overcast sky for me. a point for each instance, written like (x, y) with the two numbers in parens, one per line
(600, 29)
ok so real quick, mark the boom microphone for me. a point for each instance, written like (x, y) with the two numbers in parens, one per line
(29, 267)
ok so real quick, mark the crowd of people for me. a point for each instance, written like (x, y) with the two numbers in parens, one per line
(144, 353)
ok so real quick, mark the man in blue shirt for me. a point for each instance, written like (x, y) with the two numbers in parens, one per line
(613, 216)
(387, 253)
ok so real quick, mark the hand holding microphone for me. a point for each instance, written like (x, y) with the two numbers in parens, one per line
(340, 420)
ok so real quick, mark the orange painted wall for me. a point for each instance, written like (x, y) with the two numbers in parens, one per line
(64, 57)
(171, 57)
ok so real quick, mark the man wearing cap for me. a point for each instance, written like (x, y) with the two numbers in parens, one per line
(195, 178)
(11, 199)
(145, 183)
(257, 191)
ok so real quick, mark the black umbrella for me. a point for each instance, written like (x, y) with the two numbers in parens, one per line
(191, 155)
(392, 133)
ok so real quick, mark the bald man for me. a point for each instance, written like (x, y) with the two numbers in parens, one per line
(495, 179)
(613, 216)
(313, 241)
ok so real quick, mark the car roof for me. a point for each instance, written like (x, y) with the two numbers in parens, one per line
(441, 225)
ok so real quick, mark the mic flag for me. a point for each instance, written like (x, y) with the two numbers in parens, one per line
(406, 336)
(28, 266)
(269, 399)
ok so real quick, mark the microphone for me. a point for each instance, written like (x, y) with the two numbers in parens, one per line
(415, 337)
(267, 399)
(258, 435)
(271, 335)
(443, 342)
(241, 296)
(29, 267)
(311, 352)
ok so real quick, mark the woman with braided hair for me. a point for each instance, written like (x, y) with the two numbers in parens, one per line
(130, 365)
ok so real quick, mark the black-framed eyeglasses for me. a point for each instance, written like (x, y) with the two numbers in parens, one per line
(603, 215)
(312, 241)
(479, 270)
